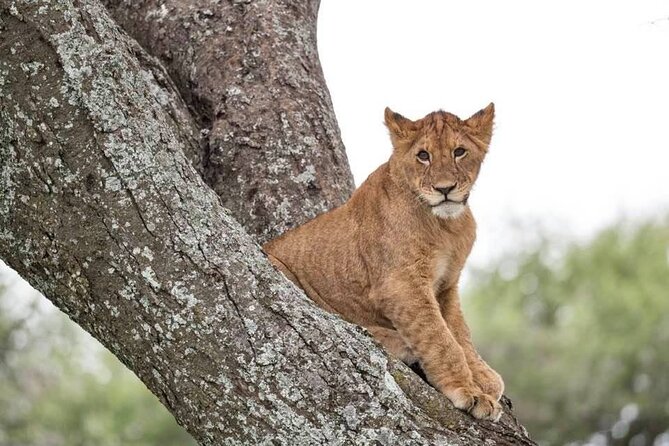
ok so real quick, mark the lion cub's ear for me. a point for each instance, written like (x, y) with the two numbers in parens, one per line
(401, 129)
(481, 123)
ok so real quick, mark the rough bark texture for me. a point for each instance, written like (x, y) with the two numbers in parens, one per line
(249, 70)
(102, 211)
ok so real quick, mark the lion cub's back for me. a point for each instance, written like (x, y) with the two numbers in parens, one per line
(319, 254)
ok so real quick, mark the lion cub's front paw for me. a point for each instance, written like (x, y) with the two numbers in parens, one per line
(475, 402)
(489, 381)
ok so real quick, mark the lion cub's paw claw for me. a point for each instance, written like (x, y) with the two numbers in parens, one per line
(486, 408)
(478, 404)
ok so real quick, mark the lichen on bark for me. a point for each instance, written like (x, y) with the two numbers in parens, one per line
(251, 74)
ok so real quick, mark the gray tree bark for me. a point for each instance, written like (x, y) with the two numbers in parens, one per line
(250, 72)
(102, 211)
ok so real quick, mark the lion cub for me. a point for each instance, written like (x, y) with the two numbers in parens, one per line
(389, 259)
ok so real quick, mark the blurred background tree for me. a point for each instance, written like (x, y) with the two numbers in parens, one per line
(581, 336)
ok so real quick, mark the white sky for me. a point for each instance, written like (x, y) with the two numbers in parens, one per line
(581, 90)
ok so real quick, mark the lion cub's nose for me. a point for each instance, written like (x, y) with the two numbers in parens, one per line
(445, 190)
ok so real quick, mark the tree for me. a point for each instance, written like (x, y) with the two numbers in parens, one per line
(103, 211)
(591, 326)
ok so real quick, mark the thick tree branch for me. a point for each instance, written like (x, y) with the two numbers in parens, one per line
(102, 212)
(251, 74)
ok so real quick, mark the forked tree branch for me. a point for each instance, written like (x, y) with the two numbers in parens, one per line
(250, 72)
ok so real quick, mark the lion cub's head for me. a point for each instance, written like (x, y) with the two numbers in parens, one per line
(439, 157)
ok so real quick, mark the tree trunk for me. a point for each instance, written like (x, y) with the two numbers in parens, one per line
(102, 211)
(250, 73)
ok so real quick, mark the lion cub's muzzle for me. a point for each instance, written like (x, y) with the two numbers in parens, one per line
(442, 195)
(446, 202)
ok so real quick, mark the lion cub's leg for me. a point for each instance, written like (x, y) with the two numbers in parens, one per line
(414, 312)
(393, 342)
(485, 377)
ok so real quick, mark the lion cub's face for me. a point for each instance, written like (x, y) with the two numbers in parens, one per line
(439, 157)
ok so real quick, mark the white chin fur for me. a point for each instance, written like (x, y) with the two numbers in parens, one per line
(448, 210)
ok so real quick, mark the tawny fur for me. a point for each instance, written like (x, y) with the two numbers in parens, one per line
(390, 258)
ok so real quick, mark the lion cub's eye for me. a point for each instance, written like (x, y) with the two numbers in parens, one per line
(459, 152)
(423, 155)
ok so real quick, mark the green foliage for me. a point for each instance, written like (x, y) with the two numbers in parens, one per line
(582, 338)
(60, 387)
